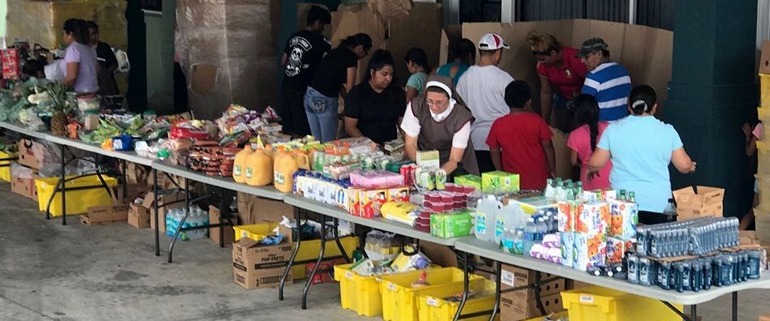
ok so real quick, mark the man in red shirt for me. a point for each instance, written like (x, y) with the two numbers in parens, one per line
(524, 138)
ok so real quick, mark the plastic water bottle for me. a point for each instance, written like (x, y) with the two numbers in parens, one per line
(542, 229)
(530, 235)
(508, 242)
(518, 241)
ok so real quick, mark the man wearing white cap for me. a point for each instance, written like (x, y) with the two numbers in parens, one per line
(482, 89)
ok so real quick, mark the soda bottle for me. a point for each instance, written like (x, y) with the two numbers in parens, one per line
(632, 197)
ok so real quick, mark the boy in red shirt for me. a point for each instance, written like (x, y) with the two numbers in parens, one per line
(524, 138)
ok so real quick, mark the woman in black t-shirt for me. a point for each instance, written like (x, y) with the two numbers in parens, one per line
(105, 73)
(375, 106)
(335, 73)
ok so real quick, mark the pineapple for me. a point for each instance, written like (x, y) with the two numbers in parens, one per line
(58, 96)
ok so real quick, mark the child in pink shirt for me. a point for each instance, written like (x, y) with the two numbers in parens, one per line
(582, 141)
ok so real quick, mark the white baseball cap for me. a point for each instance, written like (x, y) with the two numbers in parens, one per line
(492, 41)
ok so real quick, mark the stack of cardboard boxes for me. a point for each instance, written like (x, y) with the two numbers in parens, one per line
(522, 304)
(24, 170)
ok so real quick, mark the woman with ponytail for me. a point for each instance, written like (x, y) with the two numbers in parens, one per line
(582, 141)
(641, 147)
(79, 58)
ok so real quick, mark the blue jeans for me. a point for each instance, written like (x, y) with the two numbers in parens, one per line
(321, 115)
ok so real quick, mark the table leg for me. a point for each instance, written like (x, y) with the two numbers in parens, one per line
(676, 310)
(63, 187)
(498, 276)
(735, 306)
(465, 287)
(538, 300)
(181, 223)
(125, 181)
(155, 207)
(223, 212)
(336, 234)
(694, 312)
(321, 253)
(297, 217)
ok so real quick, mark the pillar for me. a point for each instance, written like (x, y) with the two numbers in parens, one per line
(713, 92)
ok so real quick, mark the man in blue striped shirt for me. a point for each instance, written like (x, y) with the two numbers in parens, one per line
(608, 81)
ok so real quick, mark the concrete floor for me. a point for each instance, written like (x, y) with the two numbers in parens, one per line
(109, 272)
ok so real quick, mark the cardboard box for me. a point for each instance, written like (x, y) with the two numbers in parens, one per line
(514, 309)
(624, 216)
(512, 276)
(138, 216)
(23, 181)
(590, 250)
(325, 272)
(105, 214)
(31, 153)
(748, 237)
(254, 210)
(257, 266)
(593, 218)
(165, 203)
(764, 317)
(698, 201)
(499, 181)
(215, 216)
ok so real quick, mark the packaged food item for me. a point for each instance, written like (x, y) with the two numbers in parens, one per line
(567, 215)
(593, 218)
(371, 201)
(615, 249)
(590, 250)
(624, 217)
(499, 181)
(468, 180)
(567, 248)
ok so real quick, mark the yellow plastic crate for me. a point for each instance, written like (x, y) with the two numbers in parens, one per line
(5, 170)
(601, 304)
(78, 201)
(358, 293)
(432, 306)
(764, 89)
(254, 231)
(398, 301)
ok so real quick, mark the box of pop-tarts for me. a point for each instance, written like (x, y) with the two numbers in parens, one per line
(590, 250)
(593, 218)
(624, 216)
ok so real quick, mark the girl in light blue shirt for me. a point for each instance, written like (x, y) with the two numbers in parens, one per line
(641, 147)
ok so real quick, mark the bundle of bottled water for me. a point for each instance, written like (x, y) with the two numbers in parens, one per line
(693, 237)
(696, 274)
(197, 218)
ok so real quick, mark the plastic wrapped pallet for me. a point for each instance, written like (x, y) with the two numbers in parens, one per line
(228, 53)
(49, 17)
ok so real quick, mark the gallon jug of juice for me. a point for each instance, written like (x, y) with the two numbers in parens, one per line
(259, 168)
(284, 167)
(239, 166)
(302, 158)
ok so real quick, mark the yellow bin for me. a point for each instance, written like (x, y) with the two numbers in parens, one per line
(5, 170)
(358, 293)
(433, 306)
(601, 304)
(254, 231)
(764, 90)
(78, 201)
(398, 301)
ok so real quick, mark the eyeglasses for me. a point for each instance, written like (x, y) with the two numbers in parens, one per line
(436, 103)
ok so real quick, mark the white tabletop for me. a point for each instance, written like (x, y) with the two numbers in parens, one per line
(223, 182)
(129, 156)
(490, 250)
(375, 223)
(24, 131)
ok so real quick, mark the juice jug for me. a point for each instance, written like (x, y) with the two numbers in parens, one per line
(239, 167)
(302, 158)
(259, 168)
(283, 171)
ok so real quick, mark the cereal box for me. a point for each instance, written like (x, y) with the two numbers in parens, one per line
(615, 249)
(566, 215)
(399, 194)
(623, 218)
(593, 218)
(371, 201)
(590, 250)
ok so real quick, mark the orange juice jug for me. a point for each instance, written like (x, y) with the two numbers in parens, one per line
(259, 168)
(283, 171)
(239, 167)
